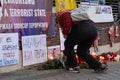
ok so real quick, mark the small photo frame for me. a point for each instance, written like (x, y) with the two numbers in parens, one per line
(53, 52)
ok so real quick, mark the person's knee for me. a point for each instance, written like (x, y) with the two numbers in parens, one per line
(82, 52)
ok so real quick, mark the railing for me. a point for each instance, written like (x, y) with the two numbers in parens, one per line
(114, 25)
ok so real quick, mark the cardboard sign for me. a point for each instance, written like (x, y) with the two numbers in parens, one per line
(34, 49)
(9, 49)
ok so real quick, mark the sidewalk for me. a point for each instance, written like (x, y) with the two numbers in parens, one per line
(113, 73)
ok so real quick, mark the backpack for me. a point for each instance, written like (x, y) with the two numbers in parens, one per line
(82, 13)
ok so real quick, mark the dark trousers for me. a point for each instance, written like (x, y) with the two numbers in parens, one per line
(83, 35)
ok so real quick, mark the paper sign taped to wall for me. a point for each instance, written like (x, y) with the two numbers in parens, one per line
(97, 14)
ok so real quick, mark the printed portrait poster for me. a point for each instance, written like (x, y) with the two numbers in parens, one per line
(53, 52)
(102, 14)
(9, 49)
(98, 14)
(34, 49)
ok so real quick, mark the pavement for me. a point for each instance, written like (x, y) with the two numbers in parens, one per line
(113, 73)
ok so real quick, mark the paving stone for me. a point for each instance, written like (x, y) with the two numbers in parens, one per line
(60, 74)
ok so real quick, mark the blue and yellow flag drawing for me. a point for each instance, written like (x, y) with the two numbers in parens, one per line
(65, 5)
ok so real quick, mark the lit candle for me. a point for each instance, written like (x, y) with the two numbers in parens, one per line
(94, 54)
(117, 58)
(50, 57)
(102, 59)
(80, 60)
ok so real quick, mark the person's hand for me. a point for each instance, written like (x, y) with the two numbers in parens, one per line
(64, 58)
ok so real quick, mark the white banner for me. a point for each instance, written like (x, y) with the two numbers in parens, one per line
(97, 14)
(62, 40)
(102, 14)
(34, 49)
(9, 49)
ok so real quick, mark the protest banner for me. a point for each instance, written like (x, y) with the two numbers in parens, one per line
(27, 17)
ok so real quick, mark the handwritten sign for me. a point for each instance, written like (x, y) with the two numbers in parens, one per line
(9, 49)
(34, 49)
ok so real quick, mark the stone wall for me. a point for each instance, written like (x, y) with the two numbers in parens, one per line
(103, 29)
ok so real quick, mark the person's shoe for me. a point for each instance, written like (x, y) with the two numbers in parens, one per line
(74, 69)
(102, 69)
